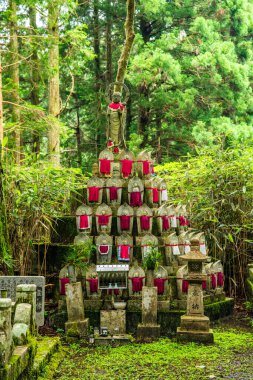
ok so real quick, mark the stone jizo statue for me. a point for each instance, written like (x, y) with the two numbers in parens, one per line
(116, 118)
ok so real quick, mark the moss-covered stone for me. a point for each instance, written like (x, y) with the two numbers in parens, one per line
(219, 309)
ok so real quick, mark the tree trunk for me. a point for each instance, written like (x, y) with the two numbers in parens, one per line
(108, 43)
(54, 83)
(129, 33)
(14, 74)
(1, 105)
(144, 113)
(34, 77)
(96, 44)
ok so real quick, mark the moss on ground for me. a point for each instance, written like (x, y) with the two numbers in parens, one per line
(229, 357)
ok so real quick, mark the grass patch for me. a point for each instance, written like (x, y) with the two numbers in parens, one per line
(230, 357)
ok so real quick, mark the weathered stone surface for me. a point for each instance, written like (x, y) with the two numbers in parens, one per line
(149, 305)
(199, 323)
(148, 333)
(19, 333)
(5, 330)
(23, 313)
(195, 304)
(194, 336)
(74, 299)
(10, 284)
(78, 329)
(114, 341)
(114, 320)
(26, 294)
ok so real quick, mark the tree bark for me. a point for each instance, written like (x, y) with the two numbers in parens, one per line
(129, 33)
(14, 74)
(96, 44)
(1, 105)
(34, 78)
(54, 83)
(108, 42)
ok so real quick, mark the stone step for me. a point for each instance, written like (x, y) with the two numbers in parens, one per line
(47, 346)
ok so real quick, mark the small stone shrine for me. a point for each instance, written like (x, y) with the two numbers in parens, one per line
(195, 326)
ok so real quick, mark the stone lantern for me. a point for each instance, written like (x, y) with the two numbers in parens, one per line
(194, 325)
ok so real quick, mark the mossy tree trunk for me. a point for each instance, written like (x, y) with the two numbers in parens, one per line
(14, 73)
(5, 249)
(34, 79)
(125, 54)
(54, 83)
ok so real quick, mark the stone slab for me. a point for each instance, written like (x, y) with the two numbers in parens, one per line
(23, 313)
(184, 336)
(163, 305)
(9, 283)
(148, 333)
(77, 328)
(115, 340)
(74, 300)
(149, 305)
(191, 323)
(114, 320)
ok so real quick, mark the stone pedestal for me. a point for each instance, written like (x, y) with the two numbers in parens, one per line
(148, 330)
(5, 331)
(114, 320)
(77, 325)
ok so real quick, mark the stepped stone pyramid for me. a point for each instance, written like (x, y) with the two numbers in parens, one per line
(128, 215)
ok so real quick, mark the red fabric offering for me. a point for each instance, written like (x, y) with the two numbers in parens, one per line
(213, 281)
(84, 222)
(137, 283)
(135, 198)
(166, 223)
(124, 252)
(159, 283)
(105, 166)
(146, 167)
(183, 221)
(145, 222)
(155, 195)
(93, 194)
(93, 284)
(104, 249)
(113, 193)
(185, 286)
(124, 222)
(103, 220)
(220, 279)
(63, 282)
(126, 167)
(116, 106)
(204, 285)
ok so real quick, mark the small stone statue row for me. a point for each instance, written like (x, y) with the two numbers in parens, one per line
(155, 190)
(172, 245)
(167, 216)
(129, 165)
(136, 280)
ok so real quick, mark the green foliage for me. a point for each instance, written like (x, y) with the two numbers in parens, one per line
(153, 258)
(35, 198)
(79, 254)
(216, 185)
(145, 361)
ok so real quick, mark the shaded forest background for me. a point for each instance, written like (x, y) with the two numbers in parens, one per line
(190, 78)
